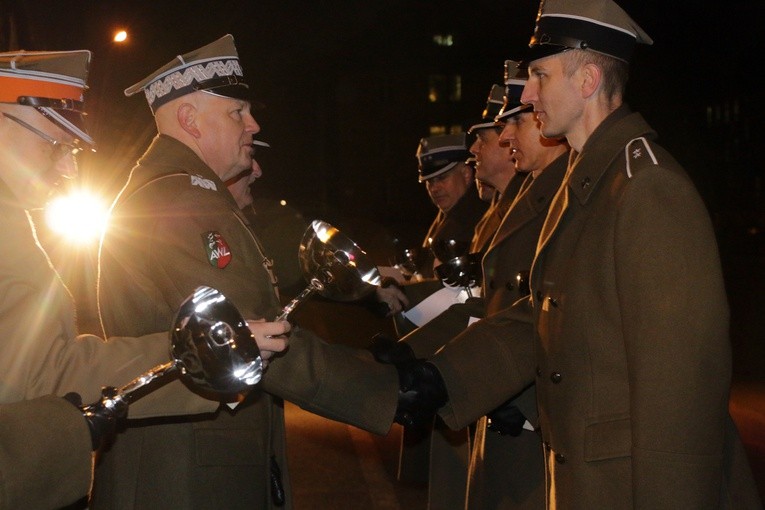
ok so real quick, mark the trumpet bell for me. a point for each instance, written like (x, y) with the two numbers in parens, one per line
(343, 270)
(212, 345)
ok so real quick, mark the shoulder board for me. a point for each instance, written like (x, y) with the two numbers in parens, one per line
(638, 152)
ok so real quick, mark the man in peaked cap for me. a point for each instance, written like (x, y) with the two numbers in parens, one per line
(449, 182)
(493, 167)
(176, 225)
(41, 132)
(628, 345)
(628, 201)
(51, 86)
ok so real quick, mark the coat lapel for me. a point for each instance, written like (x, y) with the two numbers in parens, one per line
(533, 200)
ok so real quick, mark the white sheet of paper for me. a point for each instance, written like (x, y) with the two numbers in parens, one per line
(392, 272)
(436, 303)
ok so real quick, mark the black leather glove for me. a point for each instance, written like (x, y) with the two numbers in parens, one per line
(387, 350)
(102, 416)
(506, 420)
(421, 393)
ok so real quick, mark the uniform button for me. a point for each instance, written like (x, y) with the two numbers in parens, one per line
(560, 458)
(585, 183)
(509, 286)
(553, 302)
(539, 295)
(539, 372)
(546, 445)
(522, 280)
(555, 377)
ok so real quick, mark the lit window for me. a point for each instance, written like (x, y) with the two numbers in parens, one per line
(436, 88)
(442, 88)
(437, 130)
(455, 91)
(443, 39)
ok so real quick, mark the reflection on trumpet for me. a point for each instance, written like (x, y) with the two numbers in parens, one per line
(334, 266)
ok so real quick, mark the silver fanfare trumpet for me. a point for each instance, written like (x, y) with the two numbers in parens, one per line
(334, 267)
(211, 346)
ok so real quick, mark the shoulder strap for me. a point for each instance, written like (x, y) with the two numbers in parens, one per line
(638, 152)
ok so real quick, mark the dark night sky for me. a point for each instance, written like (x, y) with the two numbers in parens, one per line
(316, 65)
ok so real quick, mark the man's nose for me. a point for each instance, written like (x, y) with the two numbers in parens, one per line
(251, 125)
(474, 148)
(529, 94)
(506, 136)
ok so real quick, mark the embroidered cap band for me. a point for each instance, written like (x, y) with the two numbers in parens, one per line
(214, 68)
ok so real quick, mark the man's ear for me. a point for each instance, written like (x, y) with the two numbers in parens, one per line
(592, 76)
(187, 119)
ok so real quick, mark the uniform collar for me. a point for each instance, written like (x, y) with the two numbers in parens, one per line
(604, 145)
(167, 152)
(533, 200)
(467, 202)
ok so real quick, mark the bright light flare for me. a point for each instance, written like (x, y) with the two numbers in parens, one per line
(79, 217)
(120, 36)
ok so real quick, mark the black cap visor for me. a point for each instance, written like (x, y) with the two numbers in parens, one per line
(229, 86)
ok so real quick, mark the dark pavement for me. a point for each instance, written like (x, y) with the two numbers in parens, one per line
(339, 467)
(747, 406)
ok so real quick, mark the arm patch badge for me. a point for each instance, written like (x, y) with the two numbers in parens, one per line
(218, 252)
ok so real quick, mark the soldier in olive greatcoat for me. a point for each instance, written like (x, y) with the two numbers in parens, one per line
(628, 339)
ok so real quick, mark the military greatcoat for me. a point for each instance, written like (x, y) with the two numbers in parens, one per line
(41, 351)
(489, 223)
(45, 461)
(174, 227)
(42, 355)
(457, 224)
(629, 344)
